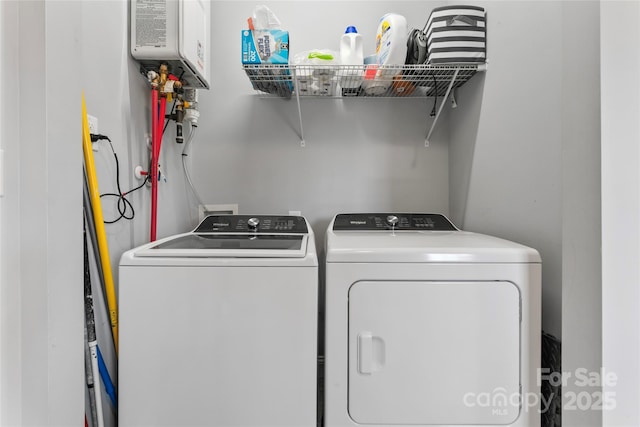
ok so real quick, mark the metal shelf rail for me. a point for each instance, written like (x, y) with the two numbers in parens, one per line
(360, 81)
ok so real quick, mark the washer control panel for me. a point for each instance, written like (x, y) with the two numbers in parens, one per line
(253, 224)
(270, 224)
(393, 221)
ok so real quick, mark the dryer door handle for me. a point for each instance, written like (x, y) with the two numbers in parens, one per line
(371, 353)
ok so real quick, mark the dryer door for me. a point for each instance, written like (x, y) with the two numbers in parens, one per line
(434, 352)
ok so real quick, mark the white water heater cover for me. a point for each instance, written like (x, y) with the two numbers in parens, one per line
(176, 32)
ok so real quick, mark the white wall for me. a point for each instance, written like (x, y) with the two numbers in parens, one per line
(506, 140)
(581, 206)
(62, 229)
(10, 325)
(620, 90)
(360, 155)
(525, 165)
(42, 372)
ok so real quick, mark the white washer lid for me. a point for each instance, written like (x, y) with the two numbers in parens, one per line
(232, 245)
(233, 240)
(145, 255)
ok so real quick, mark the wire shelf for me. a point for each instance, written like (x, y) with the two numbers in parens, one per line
(360, 81)
(322, 81)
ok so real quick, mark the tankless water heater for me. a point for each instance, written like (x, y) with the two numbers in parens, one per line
(175, 32)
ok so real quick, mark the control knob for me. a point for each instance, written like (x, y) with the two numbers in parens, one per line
(392, 220)
(253, 223)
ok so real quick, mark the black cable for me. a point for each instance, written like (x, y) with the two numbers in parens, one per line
(123, 205)
(168, 119)
(435, 99)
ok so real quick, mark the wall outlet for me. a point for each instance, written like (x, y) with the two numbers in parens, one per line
(93, 124)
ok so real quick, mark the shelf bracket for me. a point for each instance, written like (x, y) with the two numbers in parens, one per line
(265, 77)
(444, 101)
(301, 134)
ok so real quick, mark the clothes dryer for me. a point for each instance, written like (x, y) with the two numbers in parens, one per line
(427, 325)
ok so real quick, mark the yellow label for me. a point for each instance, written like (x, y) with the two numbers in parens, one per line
(384, 27)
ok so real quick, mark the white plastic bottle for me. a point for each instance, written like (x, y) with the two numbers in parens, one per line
(391, 52)
(391, 40)
(352, 59)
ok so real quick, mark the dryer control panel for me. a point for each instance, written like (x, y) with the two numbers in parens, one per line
(393, 221)
(271, 224)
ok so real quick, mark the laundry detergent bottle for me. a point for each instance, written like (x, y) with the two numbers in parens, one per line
(352, 60)
(391, 41)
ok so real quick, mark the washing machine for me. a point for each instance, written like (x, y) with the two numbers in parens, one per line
(428, 325)
(218, 326)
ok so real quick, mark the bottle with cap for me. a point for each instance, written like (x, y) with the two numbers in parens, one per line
(352, 61)
(391, 40)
